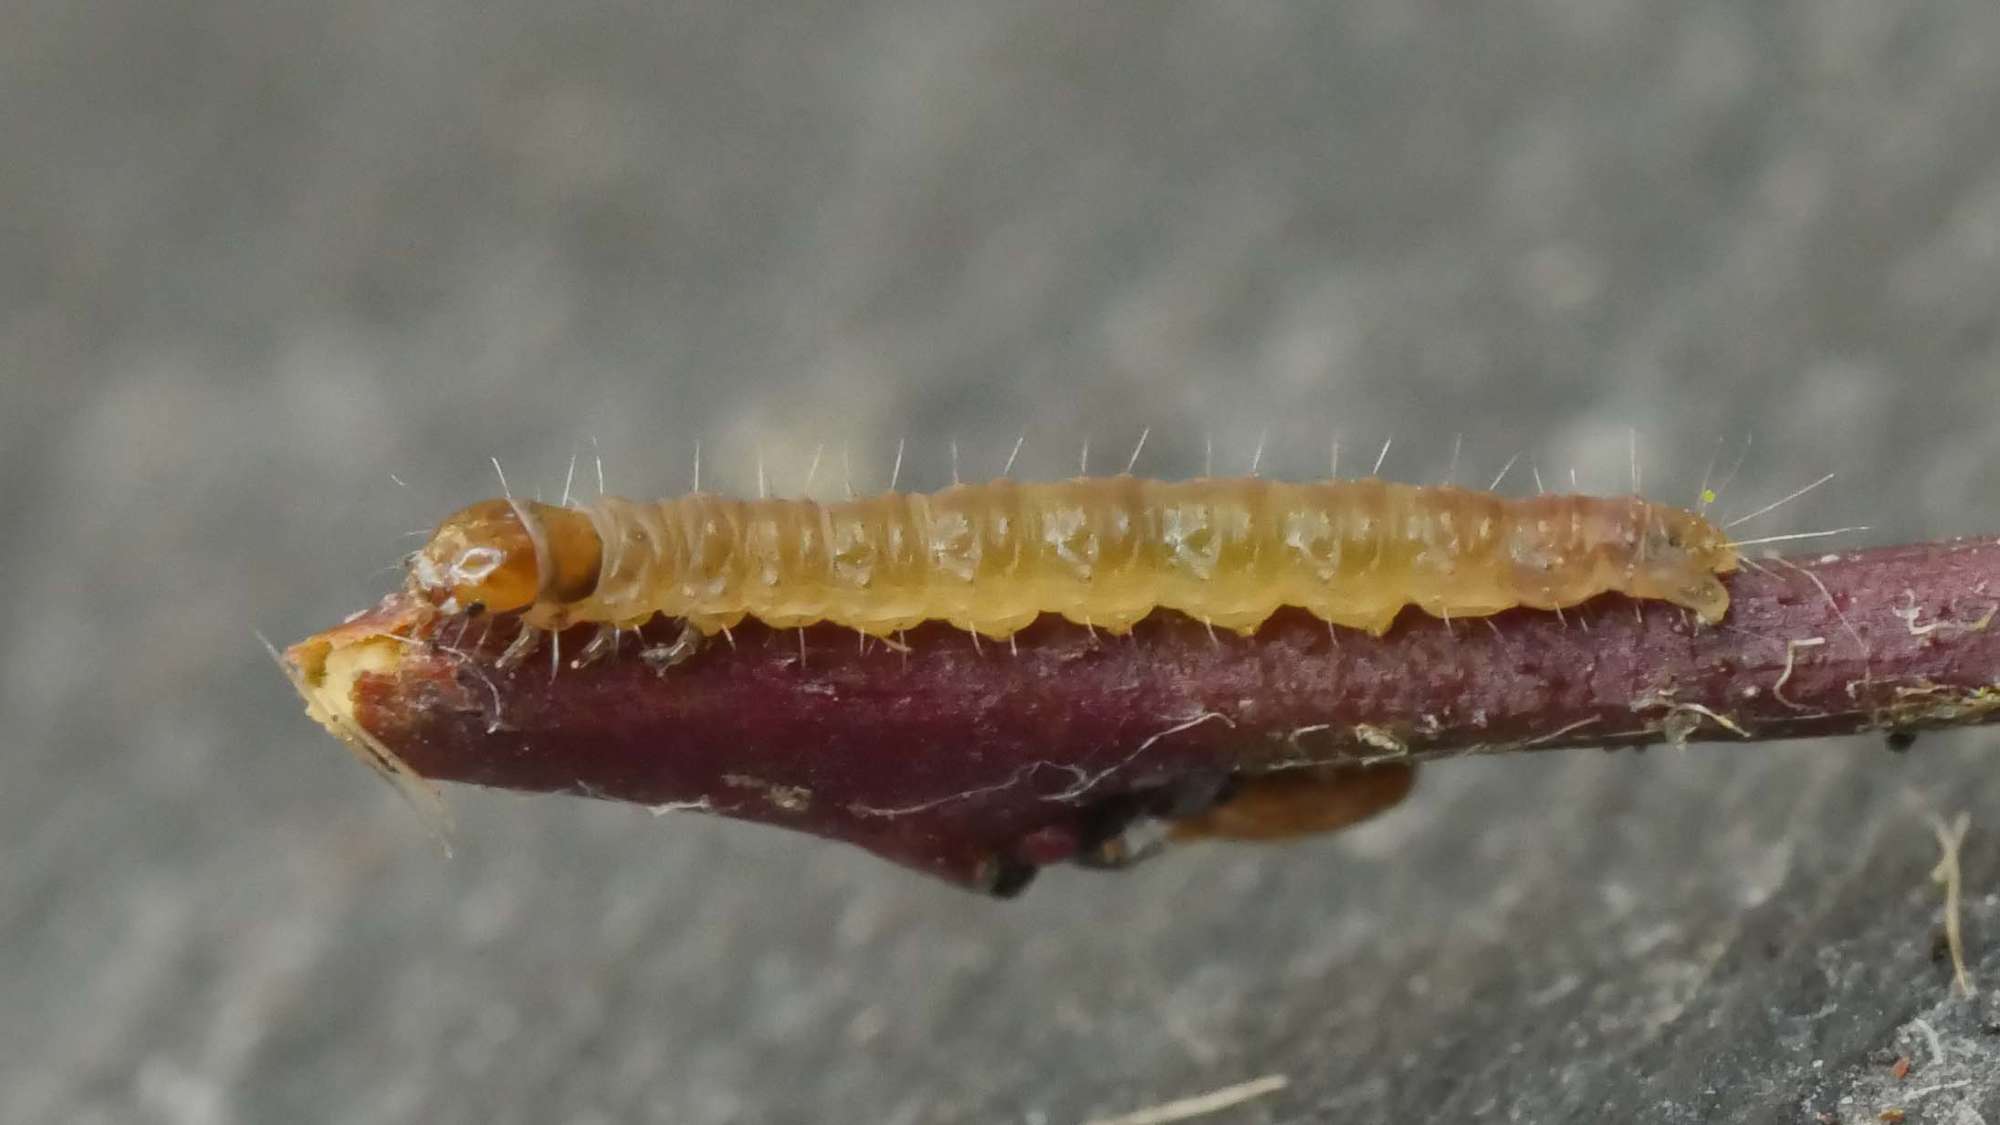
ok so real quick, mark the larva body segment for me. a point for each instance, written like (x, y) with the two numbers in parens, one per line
(1102, 552)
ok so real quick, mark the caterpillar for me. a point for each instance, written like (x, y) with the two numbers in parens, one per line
(1103, 552)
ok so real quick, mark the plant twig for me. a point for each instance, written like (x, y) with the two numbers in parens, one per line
(978, 763)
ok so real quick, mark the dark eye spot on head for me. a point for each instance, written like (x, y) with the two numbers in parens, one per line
(475, 609)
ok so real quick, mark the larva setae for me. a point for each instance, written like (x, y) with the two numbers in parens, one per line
(1100, 551)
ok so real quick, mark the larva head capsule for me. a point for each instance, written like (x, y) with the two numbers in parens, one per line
(505, 556)
(1679, 560)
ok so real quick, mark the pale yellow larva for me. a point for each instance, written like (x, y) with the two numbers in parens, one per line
(1100, 551)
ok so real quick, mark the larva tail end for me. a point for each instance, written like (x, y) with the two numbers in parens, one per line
(1701, 592)
(1708, 598)
(1681, 560)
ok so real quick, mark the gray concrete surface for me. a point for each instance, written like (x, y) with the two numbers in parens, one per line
(257, 257)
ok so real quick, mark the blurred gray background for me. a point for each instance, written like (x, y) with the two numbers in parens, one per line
(255, 258)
